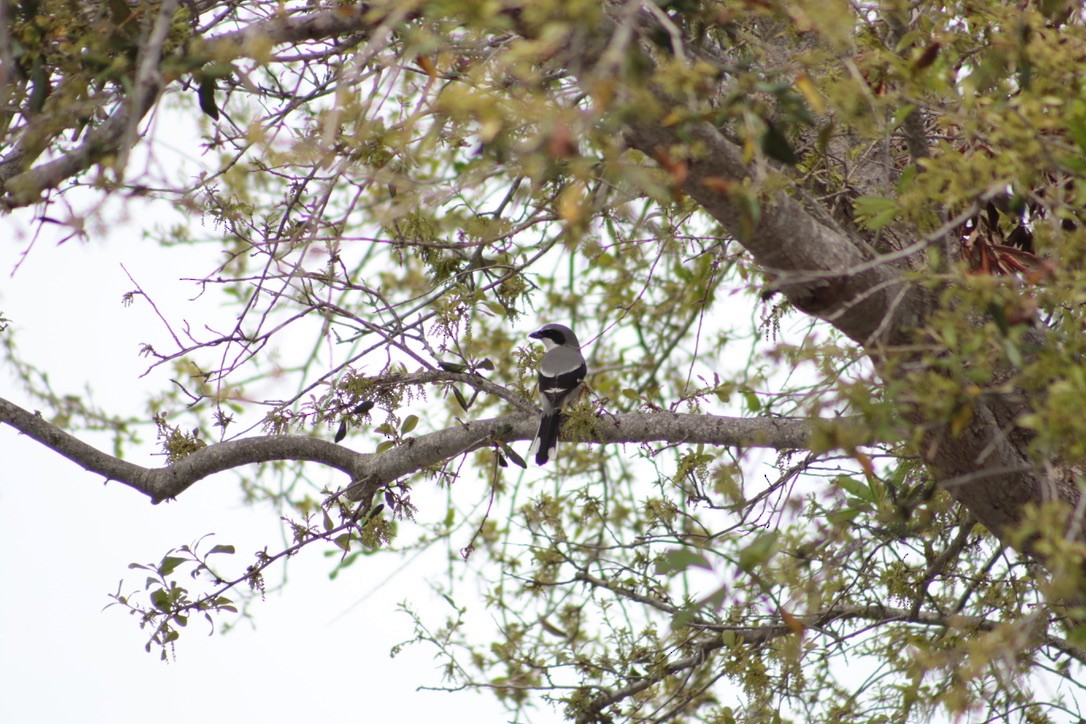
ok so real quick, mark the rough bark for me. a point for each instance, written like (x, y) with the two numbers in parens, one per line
(413, 454)
(825, 269)
(834, 274)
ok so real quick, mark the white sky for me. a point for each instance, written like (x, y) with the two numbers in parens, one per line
(67, 540)
(320, 649)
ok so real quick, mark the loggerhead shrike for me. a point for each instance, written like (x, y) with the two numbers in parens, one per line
(561, 372)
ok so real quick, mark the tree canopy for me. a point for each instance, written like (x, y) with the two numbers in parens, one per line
(825, 259)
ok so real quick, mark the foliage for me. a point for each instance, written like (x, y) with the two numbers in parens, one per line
(398, 191)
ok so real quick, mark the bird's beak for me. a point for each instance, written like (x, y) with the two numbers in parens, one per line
(535, 335)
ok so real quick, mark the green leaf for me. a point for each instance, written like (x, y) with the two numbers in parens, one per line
(409, 424)
(169, 565)
(120, 11)
(758, 552)
(160, 600)
(516, 458)
(999, 316)
(869, 205)
(716, 599)
(1013, 355)
(908, 175)
(1078, 636)
(678, 560)
(461, 400)
(1025, 72)
(842, 518)
(684, 616)
(512, 455)
(1076, 127)
(222, 548)
(901, 114)
(40, 87)
(876, 211)
(881, 219)
(854, 487)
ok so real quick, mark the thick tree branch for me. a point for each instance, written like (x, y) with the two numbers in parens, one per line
(832, 274)
(825, 273)
(824, 269)
(413, 455)
(819, 267)
(21, 186)
(168, 482)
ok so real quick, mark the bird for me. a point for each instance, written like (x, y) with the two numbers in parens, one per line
(561, 372)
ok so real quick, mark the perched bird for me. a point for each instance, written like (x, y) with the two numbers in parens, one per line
(561, 372)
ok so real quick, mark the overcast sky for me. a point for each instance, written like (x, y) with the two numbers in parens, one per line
(320, 648)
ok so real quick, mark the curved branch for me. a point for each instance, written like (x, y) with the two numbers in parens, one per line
(829, 272)
(824, 270)
(819, 267)
(21, 186)
(167, 482)
(374, 470)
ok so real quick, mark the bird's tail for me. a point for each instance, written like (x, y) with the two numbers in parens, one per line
(545, 443)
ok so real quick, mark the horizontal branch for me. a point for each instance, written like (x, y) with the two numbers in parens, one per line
(21, 186)
(374, 470)
(171, 480)
(833, 273)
